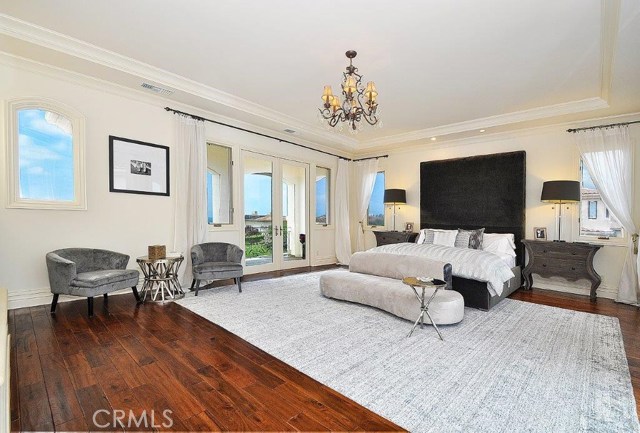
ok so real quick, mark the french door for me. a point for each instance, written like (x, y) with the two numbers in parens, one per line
(276, 212)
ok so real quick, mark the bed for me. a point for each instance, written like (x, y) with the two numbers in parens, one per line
(469, 193)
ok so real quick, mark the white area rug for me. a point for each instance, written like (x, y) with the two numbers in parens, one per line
(519, 368)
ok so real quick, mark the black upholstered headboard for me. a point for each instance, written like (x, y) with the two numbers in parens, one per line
(479, 191)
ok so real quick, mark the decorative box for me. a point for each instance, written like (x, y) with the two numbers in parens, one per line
(157, 252)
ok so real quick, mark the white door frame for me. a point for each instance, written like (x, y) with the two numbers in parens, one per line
(278, 261)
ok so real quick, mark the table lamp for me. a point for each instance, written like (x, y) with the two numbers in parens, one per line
(559, 192)
(395, 197)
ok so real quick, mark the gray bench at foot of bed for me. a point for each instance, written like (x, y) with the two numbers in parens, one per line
(376, 280)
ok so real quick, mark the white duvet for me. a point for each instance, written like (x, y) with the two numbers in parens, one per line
(465, 262)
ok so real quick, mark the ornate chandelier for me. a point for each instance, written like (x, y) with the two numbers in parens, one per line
(358, 103)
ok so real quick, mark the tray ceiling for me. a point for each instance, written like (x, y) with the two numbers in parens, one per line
(442, 68)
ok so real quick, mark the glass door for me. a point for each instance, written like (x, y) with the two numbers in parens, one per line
(258, 211)
(276, 208)
(293, 229)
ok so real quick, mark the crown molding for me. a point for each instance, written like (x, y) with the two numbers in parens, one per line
(491, 121)
(59, 42)
(136, 95)
(38, 35)
(505, 135)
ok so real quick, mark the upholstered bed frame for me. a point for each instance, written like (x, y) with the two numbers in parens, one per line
(480, 191)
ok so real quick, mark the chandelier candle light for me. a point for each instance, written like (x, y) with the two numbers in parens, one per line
(359, 101)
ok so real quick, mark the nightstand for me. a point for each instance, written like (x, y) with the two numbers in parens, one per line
(569, 260)
(385, 238)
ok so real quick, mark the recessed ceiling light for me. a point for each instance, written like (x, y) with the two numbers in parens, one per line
(433, 138)
(482, 130)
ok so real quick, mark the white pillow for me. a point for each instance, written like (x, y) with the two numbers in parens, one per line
(445, 237)
(421, 236)
(440, 237)
(499, 243)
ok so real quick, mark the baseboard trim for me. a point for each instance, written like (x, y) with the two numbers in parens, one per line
(326, 260)
(602, 292)
(43, 296)
(36, 297)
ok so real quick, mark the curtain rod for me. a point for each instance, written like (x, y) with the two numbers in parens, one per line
(204, 119)
(603, 126)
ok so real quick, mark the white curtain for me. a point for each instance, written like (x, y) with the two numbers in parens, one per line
(190, 226)
(343, 236)
(608, 155)
(365, 175)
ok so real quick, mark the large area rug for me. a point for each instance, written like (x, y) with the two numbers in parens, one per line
(519, 368)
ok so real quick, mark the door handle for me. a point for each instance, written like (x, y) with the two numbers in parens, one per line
(275, 229)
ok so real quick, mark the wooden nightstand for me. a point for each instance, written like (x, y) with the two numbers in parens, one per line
(384, 238)
(570, 260)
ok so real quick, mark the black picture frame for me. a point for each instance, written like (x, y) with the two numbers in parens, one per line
(138, 167)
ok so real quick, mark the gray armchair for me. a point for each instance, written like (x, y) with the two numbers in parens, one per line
(216, 261)
(89, 272)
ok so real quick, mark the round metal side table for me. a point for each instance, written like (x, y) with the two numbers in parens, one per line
(161, 278)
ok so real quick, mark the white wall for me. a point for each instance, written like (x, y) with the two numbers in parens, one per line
(551, 155)
(122, 222)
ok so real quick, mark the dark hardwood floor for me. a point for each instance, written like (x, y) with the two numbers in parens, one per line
(156, 357)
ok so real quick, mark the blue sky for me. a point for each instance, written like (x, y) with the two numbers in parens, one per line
(587, 182)
(45, 153)
(376, 205)
(257, 198)
(321, 196)
(257, 194)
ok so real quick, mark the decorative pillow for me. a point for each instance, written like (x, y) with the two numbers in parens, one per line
(446, 238)
(474, 236)
(462, 239)
(437, 237)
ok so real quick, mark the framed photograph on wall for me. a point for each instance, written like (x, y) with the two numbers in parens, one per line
(137, 167)
(540, 233)
(408, 227)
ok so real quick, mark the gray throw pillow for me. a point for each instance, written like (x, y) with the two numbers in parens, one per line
(462, 239)
(429, 235)
(473, 238)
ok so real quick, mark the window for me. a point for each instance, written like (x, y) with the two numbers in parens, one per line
(592, 223)
(45, 165)
(375, 213)
(593, 210)
(219, 185)
(323, 191)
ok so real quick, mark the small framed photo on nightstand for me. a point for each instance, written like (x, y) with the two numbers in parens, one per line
(408, 227)
(540, 233)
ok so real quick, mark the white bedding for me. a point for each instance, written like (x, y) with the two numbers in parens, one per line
(465, 262)
(507, 258)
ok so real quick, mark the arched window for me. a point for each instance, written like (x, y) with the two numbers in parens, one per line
(45, 164)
